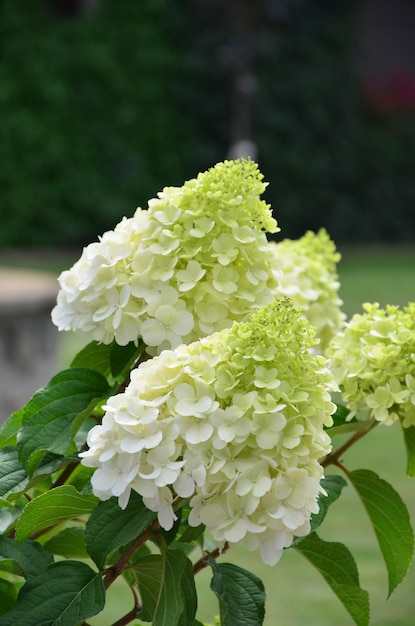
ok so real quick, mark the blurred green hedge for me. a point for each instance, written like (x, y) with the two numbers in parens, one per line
(99, 111)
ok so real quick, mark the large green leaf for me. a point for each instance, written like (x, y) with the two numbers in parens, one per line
(29, 555)
(390, 518)
(110, 527)
(122, 358)
(62, 595)
(189, 595)
(409, 439)
(48, 417)
(70, 543)
(333, 485)
(241, 595)
(109, 360)
(337, 565)
(167, 589)
(53, 507)
(94, 356)
(10, 428)
(8, 596)
(13, 476)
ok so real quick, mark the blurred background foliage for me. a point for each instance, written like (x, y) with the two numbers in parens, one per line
(104, 103)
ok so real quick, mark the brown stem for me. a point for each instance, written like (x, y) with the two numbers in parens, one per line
(115, 570)
(204, 561)
(63, 477)
(334, 457)
(128, 617)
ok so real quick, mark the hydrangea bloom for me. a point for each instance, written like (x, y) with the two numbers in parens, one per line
(233, 423)
(307, 274)
(190, 265)
(374, 365)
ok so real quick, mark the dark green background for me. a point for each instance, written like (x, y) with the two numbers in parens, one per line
(100, 110)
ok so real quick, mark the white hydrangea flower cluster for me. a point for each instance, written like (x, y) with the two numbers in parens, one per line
(307, 274)
(233, 423)
(190, 265)
(373, 362)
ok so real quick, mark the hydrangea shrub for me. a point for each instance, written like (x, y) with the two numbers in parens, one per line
(202, 415)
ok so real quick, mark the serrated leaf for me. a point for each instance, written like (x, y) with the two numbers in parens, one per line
(241, 595)
(337, 566)
(48, 416)
(70, 543)
(30, 555)
(53, 507)
(10, 428)
(167, 592)
(65, 593)
(110, 527)
(391, 522)
(13, 476)
(8, 595)
(333, 485)
(409, 439)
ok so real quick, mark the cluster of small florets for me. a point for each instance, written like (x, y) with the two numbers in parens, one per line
(373, 362)
(232, 423)
(190, 265)
(307, 273)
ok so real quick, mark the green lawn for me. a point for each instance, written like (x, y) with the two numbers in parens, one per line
(385, 275)
(296, 594)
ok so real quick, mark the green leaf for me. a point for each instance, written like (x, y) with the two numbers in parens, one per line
(192, 533)
(409, 439)
(53, 507)
(13, 476)
(122, 358)
(10, 428)
(64, 594)
(70, 543)
(348, 427)
(337, 566)
(241, 595)
(81, 478)
(333, 485)
(48, 417)
(341, 415)
(189, 596)
(10, 566)
(110, 527)
(390, 519)
(109, 360)
(167, 589)
(94, 356)
(8, 595)
(30, 555)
